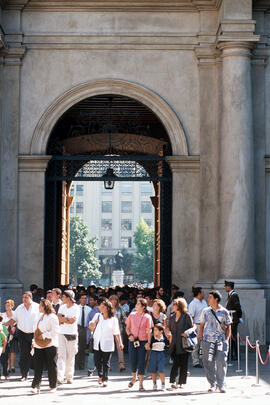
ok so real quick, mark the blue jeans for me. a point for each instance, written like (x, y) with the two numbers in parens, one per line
(216, 369)
(137, 357)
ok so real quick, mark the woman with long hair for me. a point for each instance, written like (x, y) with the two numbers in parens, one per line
(178, 323)
(114, 300)
(139, 326)
(105, 329)
(45, 351)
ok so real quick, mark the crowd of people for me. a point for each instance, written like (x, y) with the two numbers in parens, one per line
(67, 329)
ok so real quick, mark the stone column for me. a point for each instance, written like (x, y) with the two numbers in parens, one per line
(10, 285)
(209, 163)
(236, 167)
(185, 220)
(31, 218)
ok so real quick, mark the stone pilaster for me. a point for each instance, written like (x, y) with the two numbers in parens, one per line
(31, 219)
(185, 230)
(237, 166)
(9, 145)
(209, 162)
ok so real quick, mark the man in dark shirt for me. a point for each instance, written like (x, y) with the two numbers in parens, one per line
(234, 307)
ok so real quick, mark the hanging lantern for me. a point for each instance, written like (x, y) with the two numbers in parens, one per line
(109, 177)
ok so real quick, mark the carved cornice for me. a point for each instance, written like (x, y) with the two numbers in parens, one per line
(124, 5)
(238, 31)
(111, 41)
(267, 163)
(13, 55)
(187, 164)
(207, 55)
(33, 163)
(14, 4)
(261, 5)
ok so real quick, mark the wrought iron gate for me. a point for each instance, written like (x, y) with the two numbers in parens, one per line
(93, 168)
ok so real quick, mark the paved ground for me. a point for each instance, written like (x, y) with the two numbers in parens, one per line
(86, 389)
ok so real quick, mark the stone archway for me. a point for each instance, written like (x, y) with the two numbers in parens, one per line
(120, 87)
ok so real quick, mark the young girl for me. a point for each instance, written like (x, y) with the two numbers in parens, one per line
(157, 356)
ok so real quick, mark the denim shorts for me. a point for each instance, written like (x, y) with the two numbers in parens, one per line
(156, 362)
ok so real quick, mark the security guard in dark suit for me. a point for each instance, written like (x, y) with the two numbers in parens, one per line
(233, 305)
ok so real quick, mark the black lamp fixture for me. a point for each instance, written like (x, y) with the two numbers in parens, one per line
(109, 176)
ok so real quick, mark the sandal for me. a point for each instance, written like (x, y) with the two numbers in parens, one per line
(141, 389)
(131, 383)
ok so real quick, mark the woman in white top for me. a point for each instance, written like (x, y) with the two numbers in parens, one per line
(105, 326)
(13, 344)
(48, 325)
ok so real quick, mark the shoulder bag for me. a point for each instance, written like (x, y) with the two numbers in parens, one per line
(39, 340)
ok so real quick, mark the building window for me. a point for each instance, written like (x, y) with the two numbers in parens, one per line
(126, 225)
(146, 188)
(71, 209)
(106, 224)
(126, 188)
(106, 206)
(148, 221)
(146, 207)
(79, 207)
(126, 207)
(79, 190)
(126, 242)
(71, 190)
(106, 241)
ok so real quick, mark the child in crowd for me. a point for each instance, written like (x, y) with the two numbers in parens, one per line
(157, 356)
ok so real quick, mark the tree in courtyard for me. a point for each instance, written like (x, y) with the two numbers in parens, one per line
(144, 260)
(83, 264)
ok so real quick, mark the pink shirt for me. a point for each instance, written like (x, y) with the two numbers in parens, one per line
(139, 324)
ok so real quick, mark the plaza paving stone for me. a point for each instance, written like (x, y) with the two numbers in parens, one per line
(85, 390)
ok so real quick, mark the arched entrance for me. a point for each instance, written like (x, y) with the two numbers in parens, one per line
(101, 131)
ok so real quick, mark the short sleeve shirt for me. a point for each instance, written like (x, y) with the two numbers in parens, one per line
(71, 312)
(139, 324)
(212, 331)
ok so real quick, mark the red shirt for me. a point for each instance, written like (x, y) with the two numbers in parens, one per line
(139, 324)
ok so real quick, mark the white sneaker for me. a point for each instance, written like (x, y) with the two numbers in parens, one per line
(35, 390)
(52, 391)
(155, 387)
(163, 387)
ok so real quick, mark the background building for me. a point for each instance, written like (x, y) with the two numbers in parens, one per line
(112, 215)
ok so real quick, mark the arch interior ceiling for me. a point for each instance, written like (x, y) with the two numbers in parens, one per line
(105, 114)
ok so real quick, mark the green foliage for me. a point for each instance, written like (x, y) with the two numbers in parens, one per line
(144, 260)
(83, 265)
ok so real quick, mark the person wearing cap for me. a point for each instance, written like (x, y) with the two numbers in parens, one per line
(68, 316)
(234, 307)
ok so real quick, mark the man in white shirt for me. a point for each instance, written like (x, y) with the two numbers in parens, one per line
(68, 316)
(82, 330)
(26, 316)
(195, 309)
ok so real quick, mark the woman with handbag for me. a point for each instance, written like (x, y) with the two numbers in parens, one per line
(13, 342)
(179, 322)
(139, 330)
(105, 328)
(45, 345)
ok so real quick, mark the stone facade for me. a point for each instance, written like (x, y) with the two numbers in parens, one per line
(201, 67)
